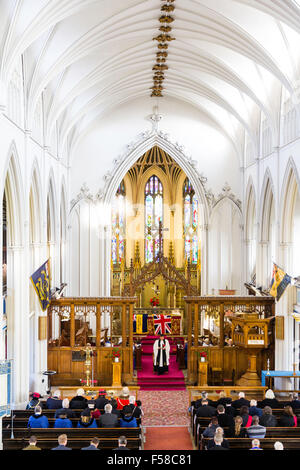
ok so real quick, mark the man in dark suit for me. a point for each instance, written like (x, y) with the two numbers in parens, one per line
(205, 410)
(62, 443)
(101, 401)
(93, 444)
(54, 402)
(241, 401)
(218, 441)
(225, 420)
(122, 443)
(108, 420)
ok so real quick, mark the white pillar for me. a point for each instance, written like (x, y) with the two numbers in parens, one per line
(18, 325)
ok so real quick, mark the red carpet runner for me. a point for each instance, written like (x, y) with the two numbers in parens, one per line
(168, 439)
(147, 380)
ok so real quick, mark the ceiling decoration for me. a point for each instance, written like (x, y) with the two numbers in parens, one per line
(230, 61)
(162, 53)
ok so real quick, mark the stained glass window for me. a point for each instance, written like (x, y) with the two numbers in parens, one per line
(153, 215)
(190, 222)
(118, 226)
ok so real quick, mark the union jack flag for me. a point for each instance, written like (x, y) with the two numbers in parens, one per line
(162, 324)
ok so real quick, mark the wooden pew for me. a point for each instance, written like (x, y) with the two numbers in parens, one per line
(200, 423)
(88, 433)
(74, 443)
(21, 422)
(289, 443)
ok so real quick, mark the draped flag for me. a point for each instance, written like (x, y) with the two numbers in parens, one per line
(162, 324)
(140, 323)
(280, 281)
(41, 283)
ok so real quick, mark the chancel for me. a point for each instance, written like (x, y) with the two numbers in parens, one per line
(150, 223)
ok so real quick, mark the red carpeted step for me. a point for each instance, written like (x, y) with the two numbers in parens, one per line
(147, 380)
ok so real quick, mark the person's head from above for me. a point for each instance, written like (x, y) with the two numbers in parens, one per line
(122, 441)
(267, 410)
(62, 415)
(125, 392)
(220, 409)
(204, 395)
(127, 410)
(238, 423)
(253, 403)
(86, 416)
(37, 410)
(278, 445)
(241, 395)
(270, 394)
(220, 430)
(35, 396)
(65, 403)
(95, 442)
(132, 400)
(244, 410)
(255, 443)
(222, 394)
(255, 420)
(214, 421)
(62, 440)
(108, 408)
(32, 440)
(204, 402)
(218, 439)
(288, 410)
(80, 392)
(138, 403)
(56, 394)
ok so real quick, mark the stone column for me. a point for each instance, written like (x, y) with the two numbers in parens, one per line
(18, 325)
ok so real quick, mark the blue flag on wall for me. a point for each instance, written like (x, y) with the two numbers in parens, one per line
(41, 283)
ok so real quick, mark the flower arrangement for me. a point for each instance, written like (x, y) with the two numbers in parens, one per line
(154, 302)
(92, 382)
(116, 353)
(203, 355)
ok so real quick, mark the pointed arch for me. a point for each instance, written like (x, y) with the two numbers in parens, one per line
(267, 205)
(289, 191)
(14, 192)
(51, 209)
(35, 204)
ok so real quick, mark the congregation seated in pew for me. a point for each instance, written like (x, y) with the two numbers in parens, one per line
(38, 420)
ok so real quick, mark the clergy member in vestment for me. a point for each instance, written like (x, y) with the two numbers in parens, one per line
(161, 351)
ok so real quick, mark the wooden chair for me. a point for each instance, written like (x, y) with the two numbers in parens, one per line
(230, 381)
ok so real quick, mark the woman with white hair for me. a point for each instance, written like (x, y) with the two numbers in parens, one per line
(269, 400)
(278, 446)
(65, 410)
(79, 402)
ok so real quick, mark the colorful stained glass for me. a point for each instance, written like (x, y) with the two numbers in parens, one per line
(190, 222)
(153, 215)
(118, 225)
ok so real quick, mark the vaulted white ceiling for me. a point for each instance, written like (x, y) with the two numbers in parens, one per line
(230, 58)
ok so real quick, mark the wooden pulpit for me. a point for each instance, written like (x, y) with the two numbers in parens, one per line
(252, 334)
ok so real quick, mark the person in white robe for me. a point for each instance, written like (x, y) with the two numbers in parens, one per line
(161, 355)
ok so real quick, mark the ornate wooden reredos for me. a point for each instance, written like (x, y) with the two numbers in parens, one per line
(160, 266)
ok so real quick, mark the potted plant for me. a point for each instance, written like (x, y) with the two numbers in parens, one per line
(203, 355)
